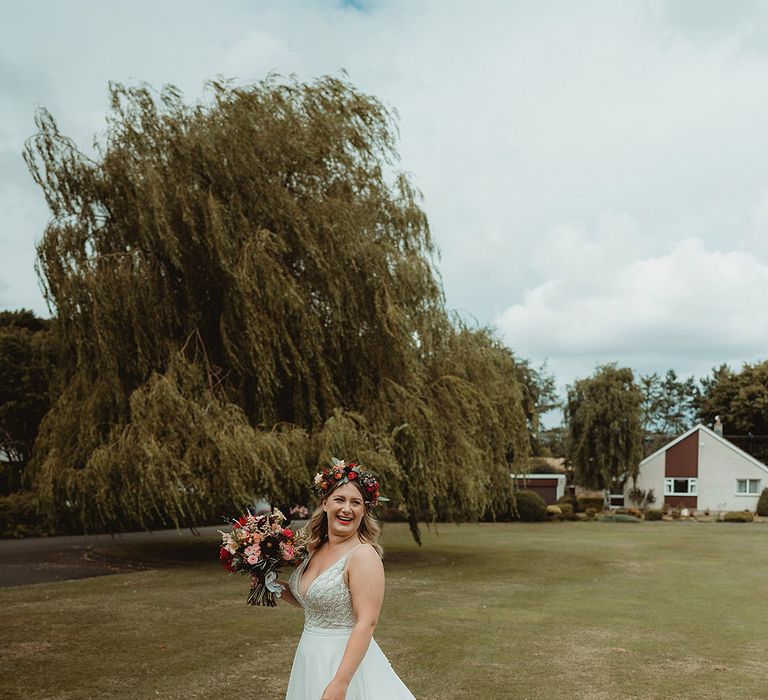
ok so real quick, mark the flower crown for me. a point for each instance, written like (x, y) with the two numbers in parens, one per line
(342, 473)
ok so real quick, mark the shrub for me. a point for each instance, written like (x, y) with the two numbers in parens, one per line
(641, 497)
(554, 511)
(585, 502)
(18, 515)
(675, 513)
(629, 511)
(619, 518)
(654, 514)
(580, 517)
(566, 509)
(738, 516)
(762, 504)
(531, 507)
(570, 500)
(590, 512)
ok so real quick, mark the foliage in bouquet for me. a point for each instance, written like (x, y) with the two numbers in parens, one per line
(259, 545)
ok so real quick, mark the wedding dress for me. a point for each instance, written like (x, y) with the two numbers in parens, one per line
(328, 622)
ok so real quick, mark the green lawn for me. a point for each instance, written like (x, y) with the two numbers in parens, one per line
(552, 610)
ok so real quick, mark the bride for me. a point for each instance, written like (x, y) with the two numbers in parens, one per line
(340, 585)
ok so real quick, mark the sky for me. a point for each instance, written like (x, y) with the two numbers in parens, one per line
(595, 173)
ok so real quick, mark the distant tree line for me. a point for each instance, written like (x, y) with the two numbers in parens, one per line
(25, 364)
(610, 421)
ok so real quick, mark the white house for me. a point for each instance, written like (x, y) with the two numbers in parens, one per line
(702, 470)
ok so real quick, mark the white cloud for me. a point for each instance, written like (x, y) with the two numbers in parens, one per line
(682, 308)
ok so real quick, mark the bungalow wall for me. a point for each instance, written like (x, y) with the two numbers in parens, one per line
(719, 468)
(651, 476)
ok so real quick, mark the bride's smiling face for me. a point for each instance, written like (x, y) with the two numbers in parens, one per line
(345, 509)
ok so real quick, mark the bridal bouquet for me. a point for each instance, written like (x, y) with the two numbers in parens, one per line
(259, 545)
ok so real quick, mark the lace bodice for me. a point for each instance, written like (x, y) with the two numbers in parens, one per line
(327, 603)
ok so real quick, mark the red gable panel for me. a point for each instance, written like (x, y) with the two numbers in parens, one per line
(682, 459)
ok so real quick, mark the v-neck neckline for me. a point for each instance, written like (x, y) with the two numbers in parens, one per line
(323, 572)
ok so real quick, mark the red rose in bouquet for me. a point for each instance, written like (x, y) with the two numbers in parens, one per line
(258, 546)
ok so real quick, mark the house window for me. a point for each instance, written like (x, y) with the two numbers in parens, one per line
(747, 487)
(681, 487)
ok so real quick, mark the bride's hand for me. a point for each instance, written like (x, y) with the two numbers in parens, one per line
(336, 690)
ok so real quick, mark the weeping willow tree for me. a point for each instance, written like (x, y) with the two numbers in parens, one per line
(242, 288)
(605, 436)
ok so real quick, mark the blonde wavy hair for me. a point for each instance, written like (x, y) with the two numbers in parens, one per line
(368, 532)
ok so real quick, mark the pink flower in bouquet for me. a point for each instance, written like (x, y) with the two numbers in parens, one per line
(259, 545)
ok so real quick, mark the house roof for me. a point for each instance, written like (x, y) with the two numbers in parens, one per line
(712, 433)
(559, 477)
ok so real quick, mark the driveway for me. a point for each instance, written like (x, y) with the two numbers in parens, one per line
(67, 557)
(45, 559)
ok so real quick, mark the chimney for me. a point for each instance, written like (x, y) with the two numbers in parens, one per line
(718, 426)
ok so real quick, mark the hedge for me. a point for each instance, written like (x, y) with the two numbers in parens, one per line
(18, 515)
(738, 516)
(568, 499)
(590, 502)
(531, 507)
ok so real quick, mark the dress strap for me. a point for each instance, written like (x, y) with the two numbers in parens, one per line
(348, 556)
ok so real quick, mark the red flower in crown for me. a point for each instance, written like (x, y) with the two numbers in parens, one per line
(341, 473)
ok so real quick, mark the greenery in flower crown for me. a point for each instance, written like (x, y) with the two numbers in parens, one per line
(343, 473)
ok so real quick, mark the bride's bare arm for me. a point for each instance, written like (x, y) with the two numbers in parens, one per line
(366, 584)
(286, 596)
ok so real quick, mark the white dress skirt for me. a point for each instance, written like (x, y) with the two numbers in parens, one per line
(328, 622)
